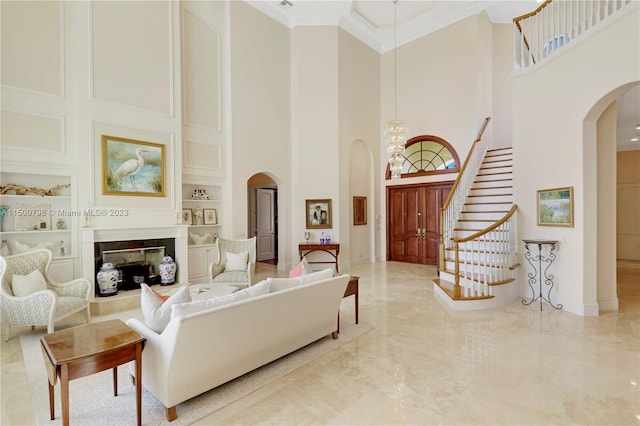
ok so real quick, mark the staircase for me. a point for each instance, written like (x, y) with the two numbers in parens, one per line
(478, 234)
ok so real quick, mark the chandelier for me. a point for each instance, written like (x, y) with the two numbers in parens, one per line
(395, 131)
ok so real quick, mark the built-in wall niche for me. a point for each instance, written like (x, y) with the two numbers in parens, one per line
(133, 259)
(37, 213)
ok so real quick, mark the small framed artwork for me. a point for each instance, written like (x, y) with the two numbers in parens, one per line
(210, 216)
(555, 207)
(187, 217)
(359, 210)
(131, 167)
(318, 214)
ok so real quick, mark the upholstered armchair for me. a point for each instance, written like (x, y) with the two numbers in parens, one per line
(45, 301)
(236, 262)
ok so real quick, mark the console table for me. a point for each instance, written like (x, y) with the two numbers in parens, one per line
(332, 248)
(538, 273)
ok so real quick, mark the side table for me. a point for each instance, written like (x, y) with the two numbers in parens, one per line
(538, 273)
(88, 349)
(306, 248)
(351, 290)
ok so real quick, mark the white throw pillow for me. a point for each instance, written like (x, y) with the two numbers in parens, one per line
(23, 285)
(236, 262)
(184, 309)
(156, 312)
(255, 290)
(278, 284)
(316, 276)
(180, 310)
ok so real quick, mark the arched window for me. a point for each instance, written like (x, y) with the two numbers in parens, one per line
(428, 155)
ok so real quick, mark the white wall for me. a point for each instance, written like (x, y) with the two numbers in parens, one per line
(261, 115)
(555, 108)
(68, 78)
(315, 127)
(606, 187)
(359, 126)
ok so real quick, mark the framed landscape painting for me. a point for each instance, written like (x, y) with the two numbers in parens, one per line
(132, 167)
(555, 207)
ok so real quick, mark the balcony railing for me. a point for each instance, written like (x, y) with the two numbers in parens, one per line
(556, 23)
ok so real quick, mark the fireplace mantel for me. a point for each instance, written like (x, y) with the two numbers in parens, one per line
(93, 235)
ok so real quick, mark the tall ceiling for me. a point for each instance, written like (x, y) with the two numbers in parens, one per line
(372, 22)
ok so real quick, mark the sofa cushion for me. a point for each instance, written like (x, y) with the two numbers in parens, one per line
(180, 310)
(316, 276)
(236, 261)
(184, 309)
(157, 312)
(302, 268)
(23, 285)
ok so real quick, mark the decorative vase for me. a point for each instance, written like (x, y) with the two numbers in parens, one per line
(167, 271)
(108, 280)
(60, 223)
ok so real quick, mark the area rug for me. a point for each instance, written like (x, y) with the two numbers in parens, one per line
(92, 401)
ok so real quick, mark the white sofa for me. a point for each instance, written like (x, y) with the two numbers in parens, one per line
(202, 350)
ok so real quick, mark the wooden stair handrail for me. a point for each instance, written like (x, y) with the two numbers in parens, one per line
(530, 14)
(466, 161)
(488, 229)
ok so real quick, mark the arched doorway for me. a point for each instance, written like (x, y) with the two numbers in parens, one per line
(600, 153)
(262, 191)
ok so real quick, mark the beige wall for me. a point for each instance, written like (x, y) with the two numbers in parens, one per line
(502, 107)
(606, 231)
(359, 127)
(555, 108)
(261, 114)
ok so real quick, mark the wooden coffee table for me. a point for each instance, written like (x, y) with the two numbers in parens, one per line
(88, 349)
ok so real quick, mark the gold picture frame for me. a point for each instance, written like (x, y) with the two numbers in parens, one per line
(359, 210)
(318, 214)
(132, 167)
(555, 207)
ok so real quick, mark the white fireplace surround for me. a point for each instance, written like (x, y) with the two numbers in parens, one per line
(94, 235)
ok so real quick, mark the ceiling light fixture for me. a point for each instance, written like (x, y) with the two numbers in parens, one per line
(286, 3)
(395, 131)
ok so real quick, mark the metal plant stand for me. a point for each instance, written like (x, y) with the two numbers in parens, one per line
(538, 273)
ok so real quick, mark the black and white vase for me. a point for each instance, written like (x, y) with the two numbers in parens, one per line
(107, 280)
(167, 271)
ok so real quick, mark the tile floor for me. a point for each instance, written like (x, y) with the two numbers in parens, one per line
(424, 365)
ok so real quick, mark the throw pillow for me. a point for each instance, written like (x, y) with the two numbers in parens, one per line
(157, 312)
(301, 268)
(278, 284)
(180, 310)
(316, 276)
(236, 262)
(297, 271)
(23, 285)
(164, 297)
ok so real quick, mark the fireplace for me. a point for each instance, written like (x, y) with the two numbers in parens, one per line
(135, 253)
(136, 261)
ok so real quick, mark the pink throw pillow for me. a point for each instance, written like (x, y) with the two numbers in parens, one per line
(296, 272)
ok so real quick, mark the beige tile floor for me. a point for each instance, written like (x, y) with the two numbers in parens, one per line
(424, 365)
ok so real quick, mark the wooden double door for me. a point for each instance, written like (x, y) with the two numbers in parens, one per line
(413, 222)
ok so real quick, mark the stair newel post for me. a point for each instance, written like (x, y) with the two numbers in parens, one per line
(456, 288)
(441, 262)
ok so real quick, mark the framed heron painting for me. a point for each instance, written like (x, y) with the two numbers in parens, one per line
(132, 167)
